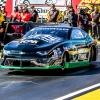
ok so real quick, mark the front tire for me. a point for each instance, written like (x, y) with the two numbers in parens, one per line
(64, 60)
(91, 54)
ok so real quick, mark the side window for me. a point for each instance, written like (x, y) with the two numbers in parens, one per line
(76, 34)
(84, 33)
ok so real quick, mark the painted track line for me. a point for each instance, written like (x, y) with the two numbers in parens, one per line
(78, 92)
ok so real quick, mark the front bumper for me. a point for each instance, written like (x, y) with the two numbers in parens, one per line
(22, 63)
(30, 68)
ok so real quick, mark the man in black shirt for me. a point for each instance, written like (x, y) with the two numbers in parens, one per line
(34, 14)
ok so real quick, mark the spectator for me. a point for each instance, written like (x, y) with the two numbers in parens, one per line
(26, 15)
(1, 37)
(72, 18)
(54, 15)
(90, 8)
(4, 13)
(26, 5)
(4, 38)
(14, 14)
(66, 12)
(21, 9)
(95, 23)
(34, 13)
(84, 19)
(19, 14)
(1, 18)
(1, 34)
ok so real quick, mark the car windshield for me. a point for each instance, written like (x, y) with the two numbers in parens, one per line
(59, 32)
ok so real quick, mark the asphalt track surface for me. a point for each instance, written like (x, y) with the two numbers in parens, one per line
(47, 85)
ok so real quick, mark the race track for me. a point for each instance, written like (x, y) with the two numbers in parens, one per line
(49, 85)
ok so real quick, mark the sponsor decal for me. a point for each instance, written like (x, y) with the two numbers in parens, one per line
(82, 56)
(85, 2)
(51, 1)
(78, 54)
(83, 50)
(74, 54)
(57, 53)
(52, 28)
(46, 38)
(65, 48)
(29, 42)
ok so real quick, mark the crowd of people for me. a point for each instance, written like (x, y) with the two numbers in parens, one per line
(22, 14)
(85, 18)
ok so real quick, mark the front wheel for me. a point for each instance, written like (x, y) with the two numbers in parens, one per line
(91, 54)
(64, 60)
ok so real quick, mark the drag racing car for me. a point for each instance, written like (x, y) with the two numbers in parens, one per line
(50, 47)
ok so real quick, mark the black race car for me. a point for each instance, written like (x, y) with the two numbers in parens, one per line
(50, 47)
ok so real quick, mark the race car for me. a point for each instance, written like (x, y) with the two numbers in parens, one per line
(50, 47)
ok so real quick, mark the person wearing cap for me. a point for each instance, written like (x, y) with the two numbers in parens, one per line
(25, 17)
(54, 15)
(95, 23)
(14, 14)
(72, 18)
(34, 13)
